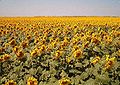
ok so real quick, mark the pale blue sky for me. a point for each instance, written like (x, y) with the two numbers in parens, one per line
(59, 7)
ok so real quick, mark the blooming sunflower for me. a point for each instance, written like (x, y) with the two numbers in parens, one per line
(6, 57)
(12, 42)
(58, 54)
(64, 81)
(95, 60)
(20, 54)
(10, 82)
(15, 49)
(34, 52)
(24, 44)
(77, 54)
(32, 81)
(28, 37)
(110, 62)
(42, 48)
(2, 49)
(1, 59)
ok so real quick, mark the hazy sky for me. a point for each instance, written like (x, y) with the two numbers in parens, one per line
(59, 7)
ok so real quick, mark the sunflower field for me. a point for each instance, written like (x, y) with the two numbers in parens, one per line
(59, 50)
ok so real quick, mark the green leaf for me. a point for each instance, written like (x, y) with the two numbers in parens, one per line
(63, 74)
(90, 82)
(79, 65)
(104, 79)
(96, 49)
(84, 75)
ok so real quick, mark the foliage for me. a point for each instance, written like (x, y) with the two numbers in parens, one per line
(59, 50)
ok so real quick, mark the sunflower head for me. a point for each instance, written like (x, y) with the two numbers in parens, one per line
(20, 54)
(2, 50)
(34, 52)
(77, 53)
(42, 48)
(12, 42)
(1, 59)
(58, 54)
(64, 81)
(95, 60)
(15, 49)
(6, 57)
(10, 82)
(110, 62)
(24, 44)
(32, 81)
(28, 37)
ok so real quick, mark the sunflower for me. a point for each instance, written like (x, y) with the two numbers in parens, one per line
(86, 44)
(10, 82)
(15, 49)
(20, 54)
(12, 42)
(36, 40)
(64, 81)
(32, 81)
(95, 60)
(64, 43)
(42, 48)
(28, 37)
(58, 53)
(110, 62)
(24, 44)
(6, 57)
(95, 40)
(107, 38)
(34, 52)
(2, 49)
(1, 59)
(77, 54)
(75, 47)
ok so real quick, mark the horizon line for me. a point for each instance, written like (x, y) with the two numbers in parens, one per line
(64, 16)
